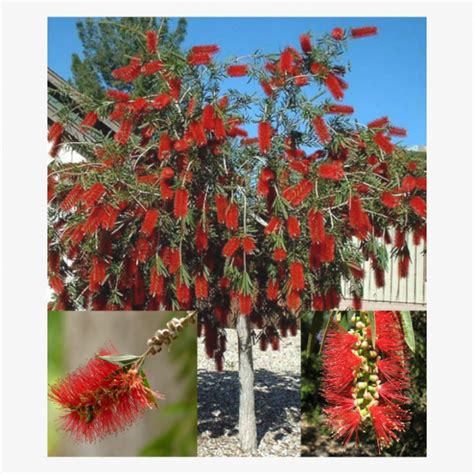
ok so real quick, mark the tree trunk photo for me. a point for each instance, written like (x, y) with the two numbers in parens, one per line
(247, 421)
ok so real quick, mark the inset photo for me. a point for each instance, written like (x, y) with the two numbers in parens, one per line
(248, 386)
(122, 383)
(363, 383)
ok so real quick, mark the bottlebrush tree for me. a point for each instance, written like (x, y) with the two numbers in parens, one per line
(182, 207)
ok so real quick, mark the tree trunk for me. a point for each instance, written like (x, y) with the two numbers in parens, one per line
(247, 421)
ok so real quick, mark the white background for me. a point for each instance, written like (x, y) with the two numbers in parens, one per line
(24, 245)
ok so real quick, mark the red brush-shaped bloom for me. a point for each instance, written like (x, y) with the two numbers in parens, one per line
(248, 244)
(201, 238)
(286, 61)
(55, 132)
(245, 304)
(118, 96)
(337, 33)
(294, 228)
(183, 293)
(340, 109)
(418, 204)
(101, 398)
(151, 41)
(327, 249)
(149, 222)
(164, 147)
(293, 300)
(362, 383)
(316, 226)
(297, 275)
(157, 283)
(383, 142)
(151, 68)
(279, 254)
(123, 133)
(334, 86)
(199, 59)
(332, 170)
(264, 137)
(389, 200)
(221, 207)
(397, 131)
(93, 194)
(89, 120)
(378, 123)
(56, 284)
(305, 42)
(231, 246)
(72, 198)
(205, 49)
(272, 290)
(237, 70)
(180, 205)
(208, 117)
(296, 194)
(363, 31)
(321, 130)
(201, 287)
(232, 216)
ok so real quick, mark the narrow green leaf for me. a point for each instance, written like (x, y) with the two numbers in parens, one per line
(316, 324)
(407, 325)
(373, 328)
(123, 360)
(329, 320)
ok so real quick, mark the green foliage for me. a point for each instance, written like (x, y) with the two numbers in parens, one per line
(315, 434)
(109, 43)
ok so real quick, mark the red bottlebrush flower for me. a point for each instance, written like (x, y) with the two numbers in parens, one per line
(279, 254)
(221, 207)
(93, 194)
(205, 49)
(293, 300)
(296, 194)
(183, 293)
(161, 101)
(381, 122)
(358, 218)
(100, 398)
(316, 226)
(208, 117)
(264, 137)
(174, 86)
(149, 222)
(301, 80)
(337, 33)
(403, 265)
(198, 133)
(55, 132)
(383, 142)
(245, 304)
(400, 238)
(151, 41)
(412, 166)
(164, 148)
(332, 170)
(297, 275)
(272, 290)
(397, 131)
(286, 61)
(418, 204)
(199, 59)
(72, 198)
(389, 200)
(327, 249)
(56, 284)
(151, 68)
(201, 287)
(273, 225)
(339, 109)
(363, 31)
(408, 184)
(267, 88)
(267, 175)
(219, 128)
(334, 86)
(157, 283)
(180, 205)
(294, 228)
(118, 96)
(232, 216)
(248, 244)
(305, 42)
(89, 120)
(387, 420)
(123, 133)
(421, 183)
(231, 246)
(321, 130)
(201, 238)
(97, 274)
(357, 272)
(237, 70)
(127, 73)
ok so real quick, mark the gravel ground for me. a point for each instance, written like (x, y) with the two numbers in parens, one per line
(277, 400)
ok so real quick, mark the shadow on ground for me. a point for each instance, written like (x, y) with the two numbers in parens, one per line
(218, 402)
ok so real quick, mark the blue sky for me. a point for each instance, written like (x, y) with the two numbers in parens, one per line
(388, 71)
